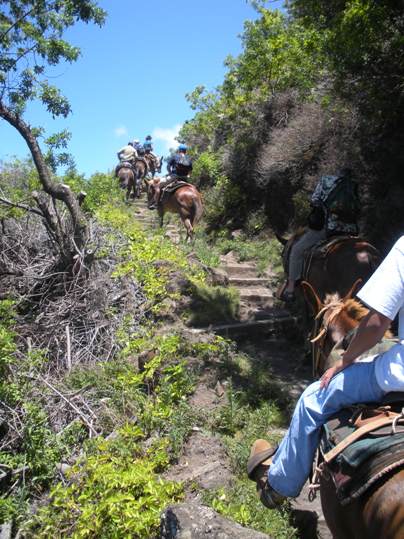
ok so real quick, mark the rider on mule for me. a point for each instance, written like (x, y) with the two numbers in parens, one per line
(323, 222)
(127, 154)
(282, 472)
(179, 167)
(138, 146)
(148, 148)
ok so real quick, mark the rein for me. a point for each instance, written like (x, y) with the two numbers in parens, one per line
(321, 327)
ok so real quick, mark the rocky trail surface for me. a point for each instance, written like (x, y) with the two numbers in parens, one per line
(264, 331)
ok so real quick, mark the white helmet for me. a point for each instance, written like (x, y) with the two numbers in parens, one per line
(136, 141)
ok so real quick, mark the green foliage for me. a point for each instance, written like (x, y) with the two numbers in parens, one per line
(207, 170)
(149, 259)
(213, 304)
(241, 504)
(101, 189)
(115, 492)
(31, 34)
(223, 202)
(18, 178)
(255, 222)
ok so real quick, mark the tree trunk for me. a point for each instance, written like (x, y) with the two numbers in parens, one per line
(56, 190)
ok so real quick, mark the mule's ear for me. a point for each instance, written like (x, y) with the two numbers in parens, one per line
(353, 290)
(311, 297)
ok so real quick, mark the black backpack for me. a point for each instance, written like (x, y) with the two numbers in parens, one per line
(343, 201)
(183, 165)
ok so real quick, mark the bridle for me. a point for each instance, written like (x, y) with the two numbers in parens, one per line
(322, 325)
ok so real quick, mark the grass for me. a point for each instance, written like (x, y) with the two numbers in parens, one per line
(264, 251)
(241, 504)
(212, 304)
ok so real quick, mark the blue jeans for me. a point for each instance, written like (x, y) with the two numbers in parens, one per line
(293, 460)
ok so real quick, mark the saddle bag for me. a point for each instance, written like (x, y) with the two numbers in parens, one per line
(183, 165)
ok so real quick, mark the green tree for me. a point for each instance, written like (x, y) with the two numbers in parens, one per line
(31, 40)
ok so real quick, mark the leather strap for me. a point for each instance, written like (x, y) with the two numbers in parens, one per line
(368, 427)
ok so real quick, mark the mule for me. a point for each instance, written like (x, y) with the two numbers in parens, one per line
(186, 201)
(126, 178)
(344, 262)
(152, 165)
(379, 511)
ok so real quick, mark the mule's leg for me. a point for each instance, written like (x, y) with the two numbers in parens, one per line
(188, 227)
(161, 217)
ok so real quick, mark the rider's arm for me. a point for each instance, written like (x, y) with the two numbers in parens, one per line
(370, 331)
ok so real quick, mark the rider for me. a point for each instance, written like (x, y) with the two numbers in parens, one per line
(138, 146)
(127, 153)
(179, 167)
(148, 148)
(180, 164)
(322, 224)
(282, 473)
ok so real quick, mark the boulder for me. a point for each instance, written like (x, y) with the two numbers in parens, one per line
(195, 521)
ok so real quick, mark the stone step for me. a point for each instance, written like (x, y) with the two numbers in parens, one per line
(256, 294)
(240, 270)
(248, 281)
(277, 326)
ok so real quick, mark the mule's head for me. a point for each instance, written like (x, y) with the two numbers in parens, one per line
(334, 319)
(153, 190)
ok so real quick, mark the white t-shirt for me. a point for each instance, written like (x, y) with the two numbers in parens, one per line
(384, 292)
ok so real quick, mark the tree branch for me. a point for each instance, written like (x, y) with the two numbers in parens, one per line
(56, 190)
(21, 206)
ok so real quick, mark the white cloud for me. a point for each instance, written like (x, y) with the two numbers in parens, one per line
(167, 135)
(120, 131)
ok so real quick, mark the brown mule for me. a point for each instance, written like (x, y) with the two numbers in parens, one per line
(126, 178)
(153, 165)
(379, 512)
(347, 260)
(186, 201)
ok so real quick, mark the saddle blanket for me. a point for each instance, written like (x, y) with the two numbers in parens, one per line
(172, 187)
(369, 458)
(123, 164)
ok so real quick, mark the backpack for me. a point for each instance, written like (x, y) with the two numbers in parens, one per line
(183, 165)
(343, 201)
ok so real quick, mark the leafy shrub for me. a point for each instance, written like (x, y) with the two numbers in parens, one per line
(101, 189)
(115, 492)
(207, 170)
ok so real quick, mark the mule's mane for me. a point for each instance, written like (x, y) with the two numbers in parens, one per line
(334, 305)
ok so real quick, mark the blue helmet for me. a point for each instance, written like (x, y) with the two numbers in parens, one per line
(182, 148)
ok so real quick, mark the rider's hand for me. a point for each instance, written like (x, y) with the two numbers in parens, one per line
(330, 373)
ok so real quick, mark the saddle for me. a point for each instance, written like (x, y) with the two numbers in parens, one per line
(322, 249)
(172, 187)
(123, 164)
(361, 444)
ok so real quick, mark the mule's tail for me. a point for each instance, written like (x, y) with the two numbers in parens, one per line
(197, 211)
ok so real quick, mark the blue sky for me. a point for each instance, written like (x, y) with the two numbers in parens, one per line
(133, 75)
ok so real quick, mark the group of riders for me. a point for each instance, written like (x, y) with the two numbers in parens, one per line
(179, 165)
(280, 472)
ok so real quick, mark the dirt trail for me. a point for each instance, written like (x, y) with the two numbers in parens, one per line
(263, 330)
